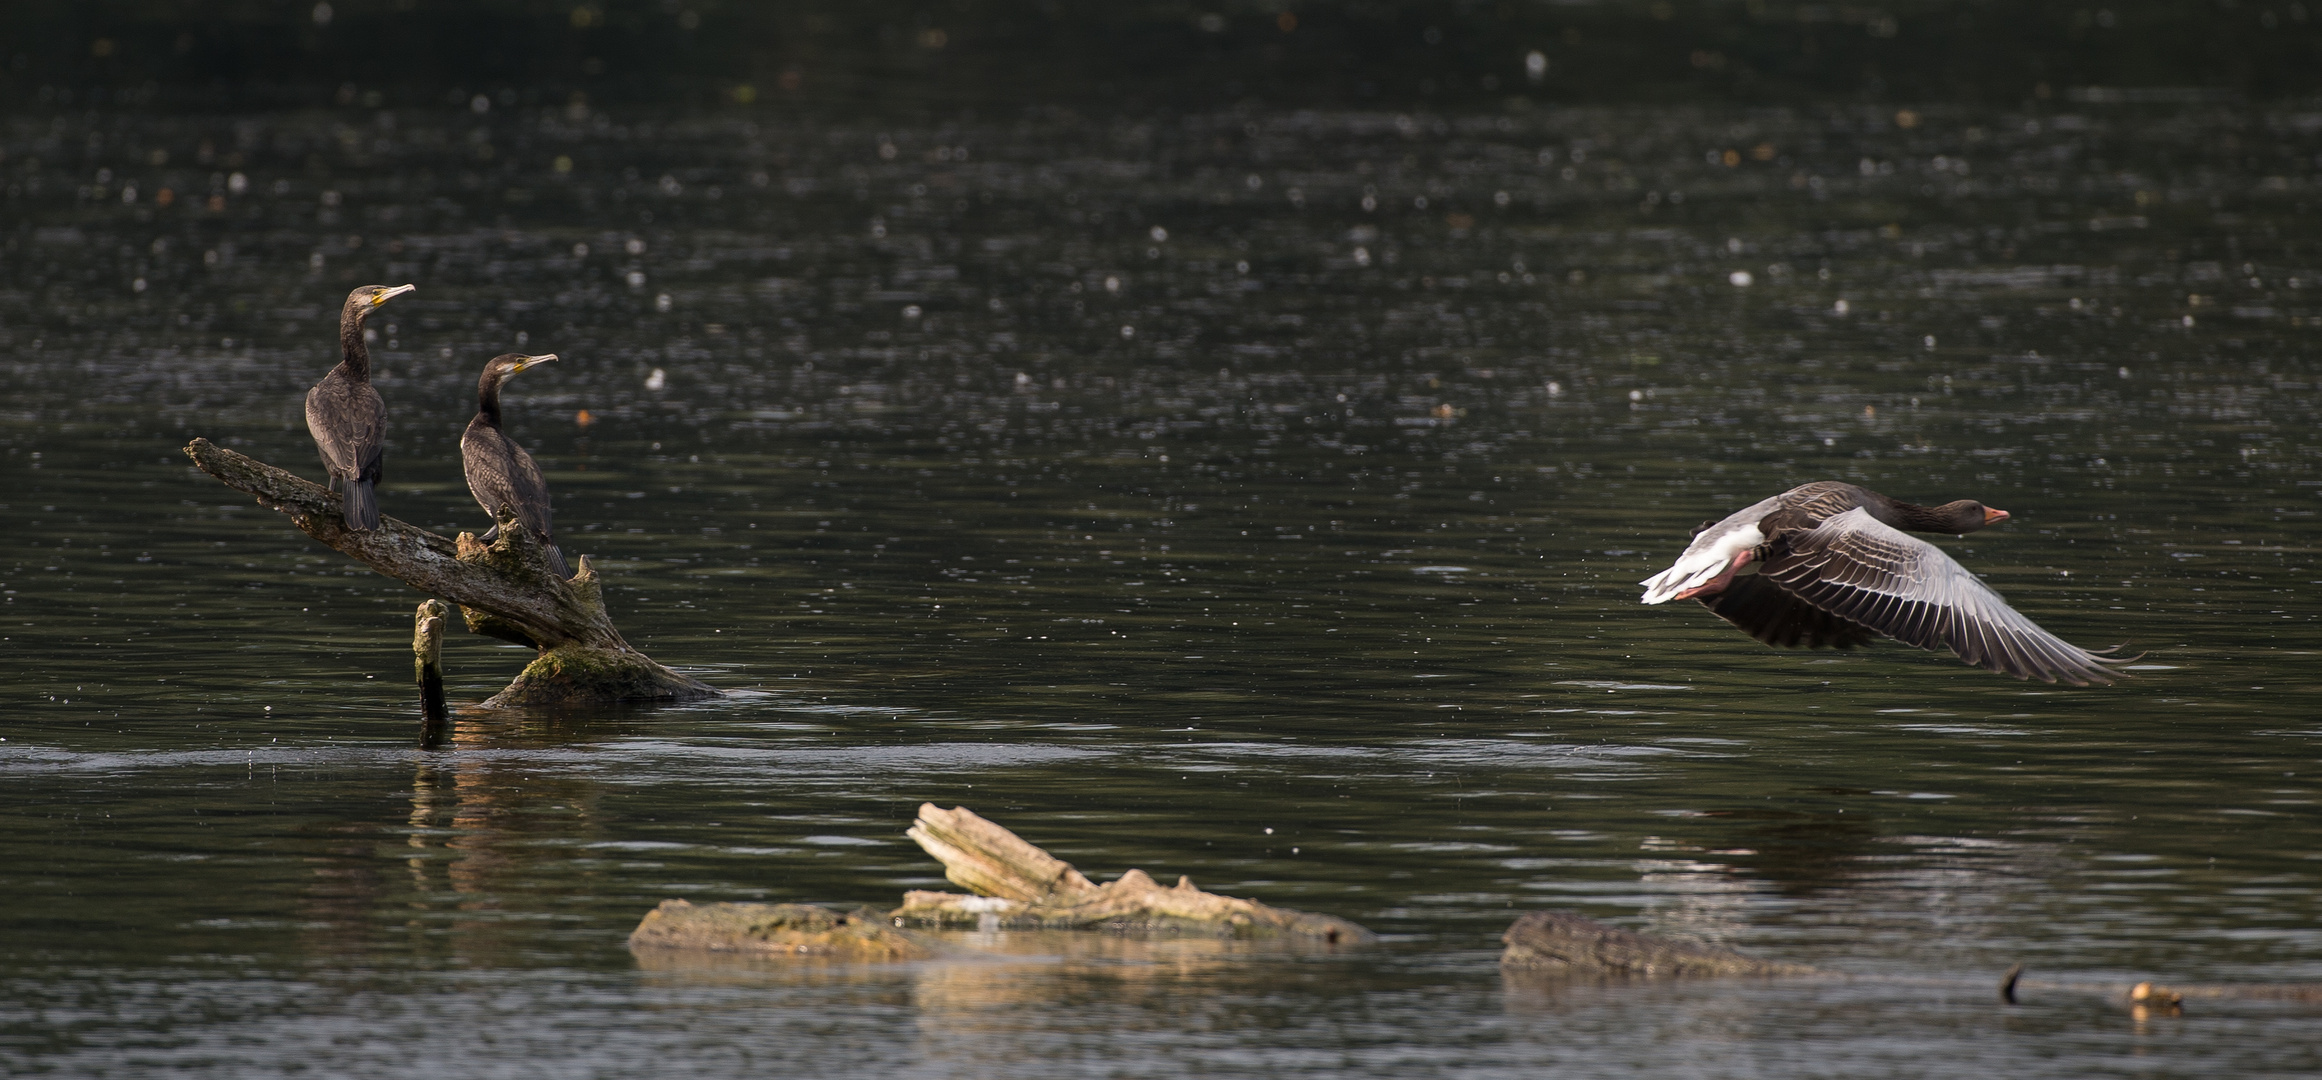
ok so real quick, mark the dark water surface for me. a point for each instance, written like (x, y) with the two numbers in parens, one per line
(1254, 495)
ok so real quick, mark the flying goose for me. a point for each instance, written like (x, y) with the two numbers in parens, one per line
(1828, 564)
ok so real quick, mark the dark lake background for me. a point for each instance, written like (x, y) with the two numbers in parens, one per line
(1218, 441)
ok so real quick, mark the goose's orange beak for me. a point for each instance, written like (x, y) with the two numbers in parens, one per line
(1994, 517)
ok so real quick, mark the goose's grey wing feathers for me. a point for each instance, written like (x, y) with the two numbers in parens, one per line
(1857, 568)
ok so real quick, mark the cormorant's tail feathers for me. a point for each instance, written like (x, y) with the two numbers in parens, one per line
(362, 506)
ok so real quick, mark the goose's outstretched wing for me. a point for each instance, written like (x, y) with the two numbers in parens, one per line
(1859, 569)
(1771, 614)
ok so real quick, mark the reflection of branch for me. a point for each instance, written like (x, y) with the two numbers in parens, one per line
(506, 589)
(1022, 886)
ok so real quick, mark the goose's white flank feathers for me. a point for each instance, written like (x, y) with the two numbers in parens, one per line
(1711, 552)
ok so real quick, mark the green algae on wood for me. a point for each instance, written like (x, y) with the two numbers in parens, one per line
(774, 930)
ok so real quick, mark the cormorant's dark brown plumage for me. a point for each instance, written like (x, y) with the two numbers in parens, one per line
(346, 417)
(500, 474)
(1828, 564)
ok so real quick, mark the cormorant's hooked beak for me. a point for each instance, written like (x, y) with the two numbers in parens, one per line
(529, 361)
(1994, 517)
(385, 295)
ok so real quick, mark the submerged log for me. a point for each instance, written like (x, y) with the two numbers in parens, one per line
(2146, 993)
(506, 589)
(1560, 943)
(1563, 943)
(2165, 998)
(774, 930)
(1017, 885)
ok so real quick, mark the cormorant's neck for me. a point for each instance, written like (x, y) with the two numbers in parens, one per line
(488, 397)
(352, 352)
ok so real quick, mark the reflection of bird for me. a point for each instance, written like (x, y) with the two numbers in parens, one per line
(346, 417)
(500, 474)
(1826, 564)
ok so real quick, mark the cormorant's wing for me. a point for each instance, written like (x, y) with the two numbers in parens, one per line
(1857, 568)
(501, 474)
(349, 425)
(533, 511)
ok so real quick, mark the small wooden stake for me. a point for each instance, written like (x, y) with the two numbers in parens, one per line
(427, 665)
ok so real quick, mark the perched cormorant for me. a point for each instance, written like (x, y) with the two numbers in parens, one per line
(1828, 564)
(345, 415)
(500, 473)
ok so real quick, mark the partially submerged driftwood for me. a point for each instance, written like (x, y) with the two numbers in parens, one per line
(1020, 886)
(1557, 941)
(2169, 999)
(506, 590)
(775, 930)
(1564, 944)
(1017, 886)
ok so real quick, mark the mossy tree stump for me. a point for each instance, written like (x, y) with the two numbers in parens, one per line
(505, 589)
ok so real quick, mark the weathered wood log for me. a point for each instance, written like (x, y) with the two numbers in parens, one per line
(774, 930)
(506, 589)
(1559, 942)
(988, 860)
(1017, 885)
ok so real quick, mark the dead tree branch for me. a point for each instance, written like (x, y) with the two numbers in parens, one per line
(505, 589)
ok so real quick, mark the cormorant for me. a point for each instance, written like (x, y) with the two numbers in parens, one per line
(345, 415)
(500, 473)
